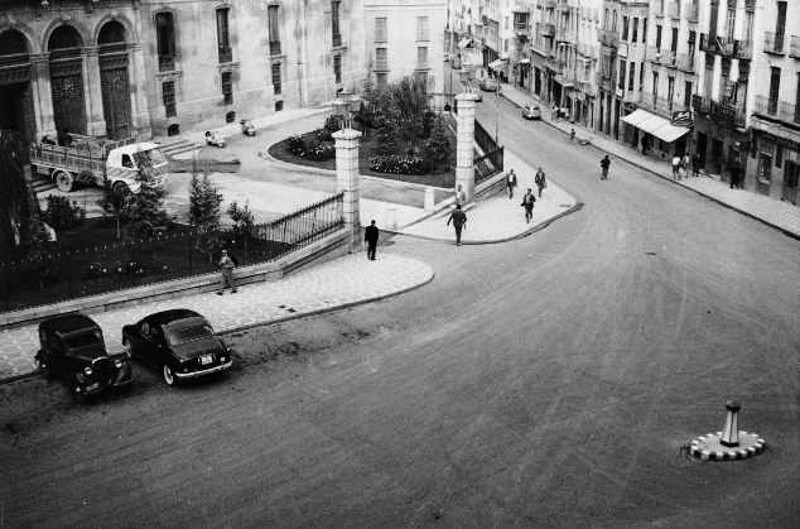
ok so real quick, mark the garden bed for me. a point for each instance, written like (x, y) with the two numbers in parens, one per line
(443, 176)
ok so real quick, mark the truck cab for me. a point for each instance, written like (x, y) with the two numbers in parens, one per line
(124, 164)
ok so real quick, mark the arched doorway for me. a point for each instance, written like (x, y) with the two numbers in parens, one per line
(66, 80)
(16, 95)
(114, 83)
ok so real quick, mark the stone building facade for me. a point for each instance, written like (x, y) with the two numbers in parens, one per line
(141, 67)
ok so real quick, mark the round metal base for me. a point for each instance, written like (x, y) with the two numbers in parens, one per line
(709, 447)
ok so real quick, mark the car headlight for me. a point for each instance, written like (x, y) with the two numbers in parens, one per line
(87, 371)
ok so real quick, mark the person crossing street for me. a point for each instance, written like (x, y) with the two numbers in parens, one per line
(541, 181)
(459, 220)
(511, 183)
(527, 202)
(605, 163)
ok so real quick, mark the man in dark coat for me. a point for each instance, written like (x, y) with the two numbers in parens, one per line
(459, 220)
(604, 164)
(541, 181)
(371, 234)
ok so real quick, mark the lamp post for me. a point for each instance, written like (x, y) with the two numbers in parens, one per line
(497, 115)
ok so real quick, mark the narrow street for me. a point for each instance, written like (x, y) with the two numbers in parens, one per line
(544, 382)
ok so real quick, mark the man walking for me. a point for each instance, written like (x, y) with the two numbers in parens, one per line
(605, 163)
(541, 181)
(371, 234)
(527, 202)
(676, 167)
(696, 164)
(459, 220)
(226, 265)
(511, 183)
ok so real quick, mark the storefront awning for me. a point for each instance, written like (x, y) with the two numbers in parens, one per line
(525, 61)
(494, 65)
(659, 127)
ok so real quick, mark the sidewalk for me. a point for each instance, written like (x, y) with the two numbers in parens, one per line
(780, 215)
(331, 285)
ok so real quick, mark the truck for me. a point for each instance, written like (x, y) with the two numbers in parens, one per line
(96, 161)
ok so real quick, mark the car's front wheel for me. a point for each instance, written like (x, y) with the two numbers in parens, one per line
(169, 376)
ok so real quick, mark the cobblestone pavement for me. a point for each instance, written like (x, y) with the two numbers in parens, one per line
(781, 215)
(337, 283)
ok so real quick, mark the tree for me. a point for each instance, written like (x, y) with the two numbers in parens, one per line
(145, 209)
(205, 201)
(243, 219)
(437, 147)
(115, 203)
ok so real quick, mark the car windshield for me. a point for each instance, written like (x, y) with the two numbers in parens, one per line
(188, 331)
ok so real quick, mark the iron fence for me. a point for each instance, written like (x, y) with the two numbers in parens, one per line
(59, 273)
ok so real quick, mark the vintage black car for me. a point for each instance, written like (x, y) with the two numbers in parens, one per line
(72, 348)
(179, 342)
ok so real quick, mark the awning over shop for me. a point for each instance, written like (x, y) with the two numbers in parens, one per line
(659, 127)
(525, 61)
(466, 41)
(494, 65)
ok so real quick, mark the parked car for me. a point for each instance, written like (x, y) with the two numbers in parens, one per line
(179, 342)
(72, 349)
(488, 84)
(532, 112)
(215, 138)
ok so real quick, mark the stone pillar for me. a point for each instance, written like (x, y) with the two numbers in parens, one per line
(93, 94)
(140, 117)
(42, 96)
(730, 435)
(349, 180)
(465, 139)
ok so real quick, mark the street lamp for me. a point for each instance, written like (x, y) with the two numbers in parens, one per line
(497, 114)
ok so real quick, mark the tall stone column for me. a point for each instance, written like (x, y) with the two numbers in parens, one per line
(349, 181)
(465, 139)
(42, 96)
(136, 73)
(93, 93)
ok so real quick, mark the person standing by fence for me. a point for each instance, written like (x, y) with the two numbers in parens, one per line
(226, 266)
(541, 181)
(371, 235)
(459, 220)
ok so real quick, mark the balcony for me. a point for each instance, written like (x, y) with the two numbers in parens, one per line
(794, 47)
(274, 47)
(548, 30)
(587, 87)
(225, 55)
(659, 105)
(692, 13)
(662, 56)
(685, 62)
(780, 110)
(337, 40)
(773, 43)
(522, 31)
(727, 114)
(742, 49)
(549, 4)
(609, 38)
(707, 45)
(166, 63)
(701, 104)
(566, 35)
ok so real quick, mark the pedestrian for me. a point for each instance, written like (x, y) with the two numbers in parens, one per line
(605, 163)
(371, 234)
(685, 165)
(541, 181)
(527, 202)
(676, 167)
(511, 183)
(696, 162)
(459, 220)
(572, 134)
(226, 265)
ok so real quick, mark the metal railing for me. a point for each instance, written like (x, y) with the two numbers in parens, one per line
(781, 110)
(225, 55)
(794, 47)
(609, 37)
(274, 47)
(58, 272)
(773, 43)
(727, 113)
(166, 63)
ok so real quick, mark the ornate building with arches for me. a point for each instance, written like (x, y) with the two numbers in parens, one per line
(120, 68)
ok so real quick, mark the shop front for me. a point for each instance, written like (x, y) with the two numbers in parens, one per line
(656, 135)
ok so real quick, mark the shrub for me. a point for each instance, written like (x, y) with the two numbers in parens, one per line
(437, 146)
(333, 123)
(297, 145)
(243, 219)
(61, 214)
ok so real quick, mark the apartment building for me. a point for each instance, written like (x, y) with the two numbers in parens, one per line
(773, 164)
(406, 38)
(515, 38)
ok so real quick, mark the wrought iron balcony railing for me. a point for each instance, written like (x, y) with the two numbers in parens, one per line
(274, 47)
(166, 63)
(781, 110)
(794, 47)
(773, 42)
(225, 55)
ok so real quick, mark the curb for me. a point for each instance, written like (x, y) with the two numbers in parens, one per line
(785, 231)
(533, 229)
(15, 378)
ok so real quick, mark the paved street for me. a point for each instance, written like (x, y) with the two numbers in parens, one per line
(548, 381)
